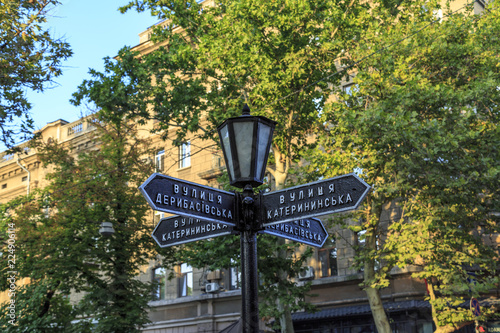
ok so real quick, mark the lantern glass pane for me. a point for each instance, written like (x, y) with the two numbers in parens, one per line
(264, 132)
(243, 132)
(227, 150)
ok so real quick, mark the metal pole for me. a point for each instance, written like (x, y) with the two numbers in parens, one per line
(249, 288)
(248, 246)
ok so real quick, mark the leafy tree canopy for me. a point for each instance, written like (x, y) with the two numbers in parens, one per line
(58, 245)
(420, 124)
(267, 54)
(29, 59)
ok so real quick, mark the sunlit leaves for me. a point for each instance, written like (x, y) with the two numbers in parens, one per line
(29, 60)
(422, 126)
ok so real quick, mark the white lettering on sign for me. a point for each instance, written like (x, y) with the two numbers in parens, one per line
(184, 201)
(307, 206)
(191, 228)
(299, 228)
(204, 195)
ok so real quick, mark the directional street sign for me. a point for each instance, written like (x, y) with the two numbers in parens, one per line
(176, 230)
(176, 196)
(208, 212)
(308, 231)
(314, 199)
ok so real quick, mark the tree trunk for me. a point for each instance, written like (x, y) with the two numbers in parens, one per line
(439, 328)
(47, 302)
(374, 299)
(377, 309)
(286, 318)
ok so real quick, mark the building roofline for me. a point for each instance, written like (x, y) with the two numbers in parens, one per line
(54, 123)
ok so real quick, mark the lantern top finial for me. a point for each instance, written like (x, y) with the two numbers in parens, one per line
(246, 110)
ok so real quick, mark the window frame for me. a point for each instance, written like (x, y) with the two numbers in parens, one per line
(234, 276)
(326, 251)
(185, 280)
(159, 293)
(160, 160)
(185, 155)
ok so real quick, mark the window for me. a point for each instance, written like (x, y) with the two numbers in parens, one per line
(217, 161)
(352, 97)
(46, 205)
(160, 160)
(25, 178)
(185, 155)
(75, 129)
(186, 281)
(46, 211)
(234, 277)
(348, 88)
(4, 186)
(327, 257)
(159, 282)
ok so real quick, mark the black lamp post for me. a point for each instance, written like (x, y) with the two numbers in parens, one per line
(246, 141)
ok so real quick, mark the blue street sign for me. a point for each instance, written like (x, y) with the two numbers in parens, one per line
(176, 230)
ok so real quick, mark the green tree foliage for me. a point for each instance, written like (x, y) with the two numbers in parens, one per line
(58, 245)
(29, 59)
(258, 52)
(37, 308)
(420, 125)
(280, 57)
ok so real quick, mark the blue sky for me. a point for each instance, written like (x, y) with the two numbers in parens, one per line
(94, 29)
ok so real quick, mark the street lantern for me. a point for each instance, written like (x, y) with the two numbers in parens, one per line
(246, 141)
(106, 229)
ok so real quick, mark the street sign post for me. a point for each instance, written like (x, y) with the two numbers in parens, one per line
(208, 212)
(314, 199)
(176, 230)
(307, 231)
(176, 196)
